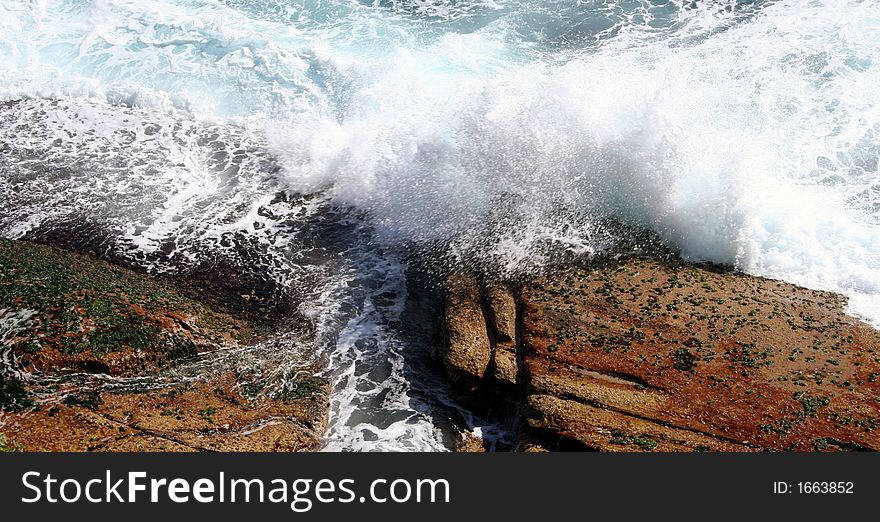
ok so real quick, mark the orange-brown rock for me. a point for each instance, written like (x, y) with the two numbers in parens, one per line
(644, 355)
(209, 415)
(64, 314)
(502, 324)
(86, 314)
(466, 352)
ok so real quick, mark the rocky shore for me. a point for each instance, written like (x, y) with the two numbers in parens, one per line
(68, 315)
(643, 355)
(619, 355)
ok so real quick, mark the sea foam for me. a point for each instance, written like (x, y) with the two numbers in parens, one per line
(746, 142)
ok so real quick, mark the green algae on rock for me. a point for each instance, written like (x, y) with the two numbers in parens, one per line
(640, 355)
(209, 414)
(13, 394)
(90, 315)
(62, 311)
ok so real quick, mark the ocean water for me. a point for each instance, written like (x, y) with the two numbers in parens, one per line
(325, 143)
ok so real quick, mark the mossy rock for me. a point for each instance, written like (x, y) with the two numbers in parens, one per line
(90, 315)
(7, 446)
(13, 395)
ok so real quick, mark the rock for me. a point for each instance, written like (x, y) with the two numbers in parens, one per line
(501, 306)
(89, 315)
(8, 447)
(62, 312)
(466, 352)
(640, 355)
(208, 415)
(13, 394)
(471, 444)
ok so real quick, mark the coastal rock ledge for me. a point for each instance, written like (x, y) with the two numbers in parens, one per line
(92, 358)
(642, 355)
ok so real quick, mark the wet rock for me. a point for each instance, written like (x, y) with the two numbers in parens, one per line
(501, 307)
(207, 415)
(639, 355)
(471, 444)
(466, 352)
(74, 314)
(89, 315)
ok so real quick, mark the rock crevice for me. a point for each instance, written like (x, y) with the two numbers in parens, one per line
(641, 355)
